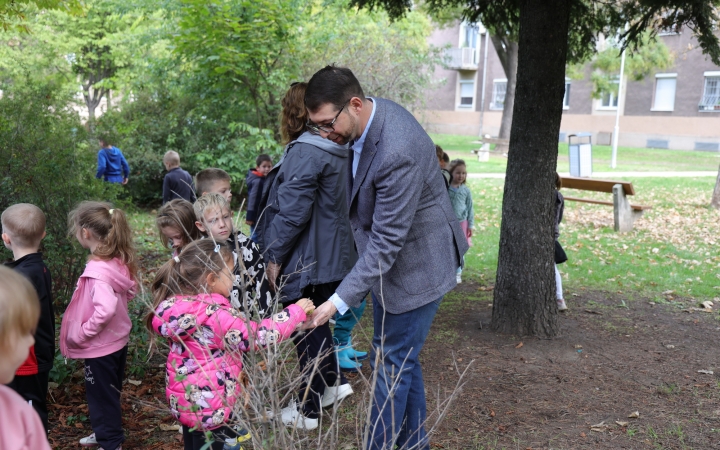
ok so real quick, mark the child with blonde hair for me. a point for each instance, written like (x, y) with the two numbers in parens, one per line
(462, 203)
(19, 314)
(96, 324)
(207, 338)
(176, 224)
(214, 220)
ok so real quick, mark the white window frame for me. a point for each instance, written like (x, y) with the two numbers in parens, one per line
(493, 99)
(714, 75)
(471, 106)
(566, 95)
(663, 76)
(614, 96)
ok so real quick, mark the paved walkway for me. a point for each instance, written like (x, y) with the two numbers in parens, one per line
(613, 175)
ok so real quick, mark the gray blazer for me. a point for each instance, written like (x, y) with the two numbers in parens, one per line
(408, 238)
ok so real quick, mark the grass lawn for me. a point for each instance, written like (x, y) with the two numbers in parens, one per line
(628, 158)
(672, 247)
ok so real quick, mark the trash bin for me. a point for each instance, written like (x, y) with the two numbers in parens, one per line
(580, 154)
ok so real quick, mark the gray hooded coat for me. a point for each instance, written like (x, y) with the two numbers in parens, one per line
(304, 225)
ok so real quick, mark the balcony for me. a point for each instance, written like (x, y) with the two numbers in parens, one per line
(709, 103)
(464, 58)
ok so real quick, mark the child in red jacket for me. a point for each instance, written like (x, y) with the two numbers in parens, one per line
(96, 324)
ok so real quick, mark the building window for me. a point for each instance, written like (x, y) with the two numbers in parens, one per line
(466, 89)
(609, 99)
(498, 97)
(664, 99)
(566, 97)
(711, 93)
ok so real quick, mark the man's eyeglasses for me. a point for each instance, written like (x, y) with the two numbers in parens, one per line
(329, 128)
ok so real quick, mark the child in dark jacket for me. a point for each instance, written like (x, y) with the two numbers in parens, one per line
(178, 183)
(255, 181)
(112, 165)
(23, 227)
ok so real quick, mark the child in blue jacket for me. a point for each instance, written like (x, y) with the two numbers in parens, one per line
(112, 165)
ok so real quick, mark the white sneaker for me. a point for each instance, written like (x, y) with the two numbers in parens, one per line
(294, 418)
(561, 304)
(334, 394)
(89, 441)
(459, 279)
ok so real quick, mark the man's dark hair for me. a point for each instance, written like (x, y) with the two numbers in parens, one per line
(261, 159)
(334, 85)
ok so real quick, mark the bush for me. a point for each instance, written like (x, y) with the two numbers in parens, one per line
(45, 160)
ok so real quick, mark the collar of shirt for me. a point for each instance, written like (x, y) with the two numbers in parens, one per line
(357, 146)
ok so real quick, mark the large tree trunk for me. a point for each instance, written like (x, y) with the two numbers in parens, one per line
(715, 202)
(524, 300)
(507, 51)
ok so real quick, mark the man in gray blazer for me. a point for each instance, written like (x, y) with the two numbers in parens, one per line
(407, 236)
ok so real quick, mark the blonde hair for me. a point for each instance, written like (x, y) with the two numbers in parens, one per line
(293, 116)
(25, 223)
(186, 275)
(110, 227)
(209, 200)
(178, 214)
(171, 158)
(207, 177)
(454, 165)
(19, 305)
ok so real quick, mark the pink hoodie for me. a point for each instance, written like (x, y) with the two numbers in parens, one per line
(20, 424)
(204, 367)
(96, 322)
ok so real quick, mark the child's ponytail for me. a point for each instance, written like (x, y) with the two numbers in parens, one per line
(110, 226)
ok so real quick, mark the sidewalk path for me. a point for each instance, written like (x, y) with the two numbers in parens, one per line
(613, 175)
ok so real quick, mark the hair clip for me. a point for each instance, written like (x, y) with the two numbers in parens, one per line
(177, 259)
(112, 211)
(217, 248)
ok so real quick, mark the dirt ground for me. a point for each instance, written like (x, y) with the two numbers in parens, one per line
(614, 357)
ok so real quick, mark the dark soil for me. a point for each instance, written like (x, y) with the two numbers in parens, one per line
(575, 391)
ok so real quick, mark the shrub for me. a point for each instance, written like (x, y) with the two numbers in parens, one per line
(45, 160)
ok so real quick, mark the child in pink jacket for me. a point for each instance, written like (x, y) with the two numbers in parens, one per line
(20, 425)
(207, 338)
(96, 324)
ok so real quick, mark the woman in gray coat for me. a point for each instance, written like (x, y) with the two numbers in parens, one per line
(305, 235)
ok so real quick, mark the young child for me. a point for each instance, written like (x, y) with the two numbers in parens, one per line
(21, 426)
(177, 182)
(214, 220)
(441, 155)
(213, 180)
(96, 325)
(255, 181)
(207, 338)
(560, 256)
(23, 227)
(461, 199)
(176, 224)
(112, 165)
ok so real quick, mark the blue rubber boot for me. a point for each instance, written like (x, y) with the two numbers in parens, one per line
(354, 354)
(344, 361)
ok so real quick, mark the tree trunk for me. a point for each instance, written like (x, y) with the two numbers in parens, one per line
(715, 202)
(507, 115)
(524, 298)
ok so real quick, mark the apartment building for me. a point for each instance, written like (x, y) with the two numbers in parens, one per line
(676, 108)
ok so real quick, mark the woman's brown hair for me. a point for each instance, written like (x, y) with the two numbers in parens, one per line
(185, 274)
(109, 226)
(178, 214)
(293, 116)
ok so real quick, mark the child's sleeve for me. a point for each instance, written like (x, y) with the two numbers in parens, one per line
(470, 208)
(253, 188)
(100, 164)
(256, 283)
(125, 166)
(234, 333)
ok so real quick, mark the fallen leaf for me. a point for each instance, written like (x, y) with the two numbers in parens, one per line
(578, 346)
(134, 382)
(582, 434)
(622, 424)
(634, 415)
(166, 427)
(706, 372)
(519, 345)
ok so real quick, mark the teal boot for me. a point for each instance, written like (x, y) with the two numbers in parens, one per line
(354, 354)
(344, 361)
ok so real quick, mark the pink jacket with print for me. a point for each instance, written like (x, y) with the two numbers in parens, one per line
(207, 338)
(96, 322)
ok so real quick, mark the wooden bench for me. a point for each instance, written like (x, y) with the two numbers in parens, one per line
(624, 213)
(483, 153)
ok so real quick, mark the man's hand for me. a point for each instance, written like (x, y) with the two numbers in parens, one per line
(124, 181)
(323, 313)
(469, 232)
(272, 271)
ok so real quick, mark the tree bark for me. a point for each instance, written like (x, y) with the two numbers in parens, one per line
(715, 202)
(524, 298)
